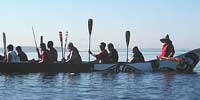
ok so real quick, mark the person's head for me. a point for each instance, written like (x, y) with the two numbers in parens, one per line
(102, 46)
(10, 47)
(135, 49)
(43, 46)
(110, 47)
(70, 46)
(18, 49)
(166, 39)
(50, 44)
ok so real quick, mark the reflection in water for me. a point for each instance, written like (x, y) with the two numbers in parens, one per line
(99, 86)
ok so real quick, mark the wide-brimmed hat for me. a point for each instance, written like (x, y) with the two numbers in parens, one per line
(165, 39)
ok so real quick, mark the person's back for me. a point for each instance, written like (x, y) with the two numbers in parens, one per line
(137, 56)
(113, 54)
(22, 56)
(53, 55)
(11, 55)
(74, 56)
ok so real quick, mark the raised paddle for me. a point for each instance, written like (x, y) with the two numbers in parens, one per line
(61, 43)
(4, 43)
(36, 43)
(90, 24)
(41, 39)
(127, 43)
(65, 47)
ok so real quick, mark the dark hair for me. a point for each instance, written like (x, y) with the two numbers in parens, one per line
(42, 45)
(50, 43)
(10, 47)
(70, 44)
(110, 45)
(103, 44)
(19, 48)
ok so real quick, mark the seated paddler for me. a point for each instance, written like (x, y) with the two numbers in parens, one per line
(53, 55)
(101, 57)
(137, 56)
(113, 54)
(22, 56)
(44, 56)
(11, 56)
(73, 56)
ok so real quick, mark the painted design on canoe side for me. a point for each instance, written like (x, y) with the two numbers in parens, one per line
(190, 61)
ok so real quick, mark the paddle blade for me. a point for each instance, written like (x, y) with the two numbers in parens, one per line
(41, 39)
(127, 38)
(4, 41)
(61, 38)
(90, 24)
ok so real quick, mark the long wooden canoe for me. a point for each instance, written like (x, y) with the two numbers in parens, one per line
(188, 63)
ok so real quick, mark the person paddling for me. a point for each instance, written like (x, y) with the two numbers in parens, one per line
(11, 55)
(44, 56)
(22, 56)
(137, 56)
(53, 55)
(113, 54)
(167, 48)
(102, 57)
(74, 56)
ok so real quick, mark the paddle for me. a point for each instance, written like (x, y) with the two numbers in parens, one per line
(127, 43)
(4, 43)
(90, 24)
(61, 43)
(36, 43)
(66, 35)
(41, 39)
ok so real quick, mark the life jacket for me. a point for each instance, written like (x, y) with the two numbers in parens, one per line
(167, 49)
(14, 57)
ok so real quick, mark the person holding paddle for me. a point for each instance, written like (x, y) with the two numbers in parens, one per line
(74, 56)
(53, 55)
(102, 57)
(44, 56)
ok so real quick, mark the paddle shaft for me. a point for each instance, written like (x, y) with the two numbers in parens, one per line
(65, 44)
(34, 38)
(90, 24)
(36, 43)
(89, 45)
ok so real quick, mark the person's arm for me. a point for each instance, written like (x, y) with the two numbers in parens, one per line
(172, 51)
(8, 60)
(38, 52)
(69, 57)
(92, 53)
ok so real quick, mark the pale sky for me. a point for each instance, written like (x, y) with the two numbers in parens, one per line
(148, 21)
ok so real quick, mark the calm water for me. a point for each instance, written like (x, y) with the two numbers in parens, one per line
(102, 86)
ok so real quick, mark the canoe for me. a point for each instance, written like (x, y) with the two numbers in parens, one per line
(188, 63)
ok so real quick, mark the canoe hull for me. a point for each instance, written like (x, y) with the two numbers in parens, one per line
(44, 67)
